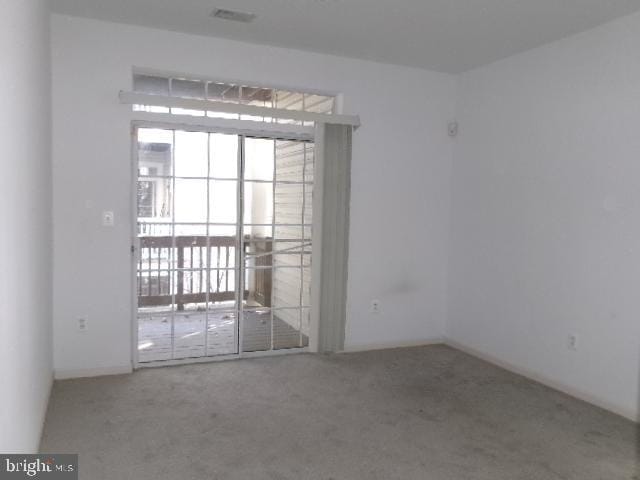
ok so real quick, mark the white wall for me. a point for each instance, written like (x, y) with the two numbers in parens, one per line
(546, 224)
(25, 216)
(400, 192)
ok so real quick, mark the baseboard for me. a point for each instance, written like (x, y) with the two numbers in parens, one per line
(365, 347)
(536, 377)
(64, 374)
(43, 416)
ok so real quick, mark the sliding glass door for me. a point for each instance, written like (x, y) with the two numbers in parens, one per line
(223, 262)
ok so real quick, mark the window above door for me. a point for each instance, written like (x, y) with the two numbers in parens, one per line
(239, 93)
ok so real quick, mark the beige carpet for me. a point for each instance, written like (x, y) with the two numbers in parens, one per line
(429, 413)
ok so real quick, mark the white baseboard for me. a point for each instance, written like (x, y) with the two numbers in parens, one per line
(365, 347)
(46, 408)
(92, 372)
(571, 391)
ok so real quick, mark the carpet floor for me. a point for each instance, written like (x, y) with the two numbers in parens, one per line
(428, 413)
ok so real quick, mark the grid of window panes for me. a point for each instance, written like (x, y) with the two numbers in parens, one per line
(224, 230)
(187, 265)
(200, 89)
(277, 226)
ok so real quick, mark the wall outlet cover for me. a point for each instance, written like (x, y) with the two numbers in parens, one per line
(108, 218)
(82, 324)
(375, 306)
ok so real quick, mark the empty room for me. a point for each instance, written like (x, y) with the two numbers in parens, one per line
(320, 239)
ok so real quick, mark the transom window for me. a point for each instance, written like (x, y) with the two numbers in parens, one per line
(236, 93)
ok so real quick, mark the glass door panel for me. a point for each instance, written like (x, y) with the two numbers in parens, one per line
(187, 270)
(224, 233)
(277, 197)
(292, 234)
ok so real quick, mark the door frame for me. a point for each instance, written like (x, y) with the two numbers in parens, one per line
(243, 129)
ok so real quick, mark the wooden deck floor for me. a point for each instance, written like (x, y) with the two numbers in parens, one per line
(197, 335)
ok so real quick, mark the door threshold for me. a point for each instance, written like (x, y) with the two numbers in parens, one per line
(222, 358)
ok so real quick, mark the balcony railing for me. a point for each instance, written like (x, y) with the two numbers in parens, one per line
(204, 271)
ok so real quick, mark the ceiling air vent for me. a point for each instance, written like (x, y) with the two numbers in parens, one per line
(233, 15)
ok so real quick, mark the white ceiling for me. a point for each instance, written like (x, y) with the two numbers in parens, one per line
(444, 35)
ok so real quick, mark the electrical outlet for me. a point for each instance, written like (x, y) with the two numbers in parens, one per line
(108, 218)
(375, 306)
(82, 324)
(572, 342)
